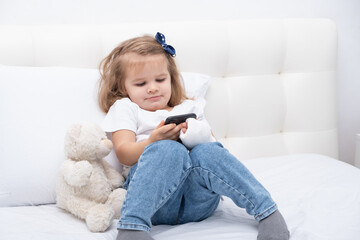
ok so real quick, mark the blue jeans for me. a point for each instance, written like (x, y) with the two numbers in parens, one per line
(170, 185)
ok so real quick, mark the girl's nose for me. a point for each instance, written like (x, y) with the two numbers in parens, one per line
(152, 88)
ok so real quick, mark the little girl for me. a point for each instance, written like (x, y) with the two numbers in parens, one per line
(170, 182)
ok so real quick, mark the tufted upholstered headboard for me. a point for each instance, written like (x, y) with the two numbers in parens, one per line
(273, 81)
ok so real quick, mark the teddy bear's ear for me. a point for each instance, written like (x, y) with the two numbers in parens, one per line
(74, 130)
(72, 136)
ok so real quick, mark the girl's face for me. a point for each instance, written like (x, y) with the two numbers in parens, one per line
(148, 82)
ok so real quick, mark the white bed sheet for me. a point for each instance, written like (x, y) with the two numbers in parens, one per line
(318, 196)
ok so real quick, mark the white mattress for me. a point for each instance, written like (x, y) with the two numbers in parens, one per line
(318, 196)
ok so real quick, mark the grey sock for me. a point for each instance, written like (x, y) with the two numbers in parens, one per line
(124, 234)
(273, 227)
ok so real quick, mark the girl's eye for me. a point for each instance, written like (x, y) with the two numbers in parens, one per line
(160, 80)
(140, 84)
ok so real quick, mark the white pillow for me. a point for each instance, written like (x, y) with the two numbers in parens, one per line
(195, 84)
(37, 105)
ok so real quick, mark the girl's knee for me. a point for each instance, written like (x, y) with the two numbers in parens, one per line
(208, 148)
(205, 152)
(167, 146)
(166, 151)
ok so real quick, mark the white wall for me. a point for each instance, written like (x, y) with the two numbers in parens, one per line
(345, 13)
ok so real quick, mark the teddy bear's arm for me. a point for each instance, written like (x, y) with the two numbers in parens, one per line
(114, 176)
(76, 174)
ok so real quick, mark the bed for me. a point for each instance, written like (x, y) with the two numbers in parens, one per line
(271, 100)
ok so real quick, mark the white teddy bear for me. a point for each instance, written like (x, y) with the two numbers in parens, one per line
(89, 187)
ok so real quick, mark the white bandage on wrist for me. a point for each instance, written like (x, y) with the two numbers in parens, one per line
(196, 133)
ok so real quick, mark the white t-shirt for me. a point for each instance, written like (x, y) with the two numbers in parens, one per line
(126, 115)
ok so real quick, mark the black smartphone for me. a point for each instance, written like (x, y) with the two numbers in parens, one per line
(177, 119)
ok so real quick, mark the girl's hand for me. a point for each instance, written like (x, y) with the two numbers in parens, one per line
(166, 132)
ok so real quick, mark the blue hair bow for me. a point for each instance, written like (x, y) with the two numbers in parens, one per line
(160, 38)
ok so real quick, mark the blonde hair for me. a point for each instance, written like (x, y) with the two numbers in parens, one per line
(113, 71)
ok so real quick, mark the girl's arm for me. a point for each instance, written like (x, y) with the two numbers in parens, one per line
(128, 150)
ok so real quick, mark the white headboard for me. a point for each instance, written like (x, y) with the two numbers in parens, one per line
(273, 81)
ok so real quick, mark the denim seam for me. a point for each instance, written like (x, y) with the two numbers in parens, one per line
(259, 217)
(252, 204)
(163, 200)
(141, 226)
